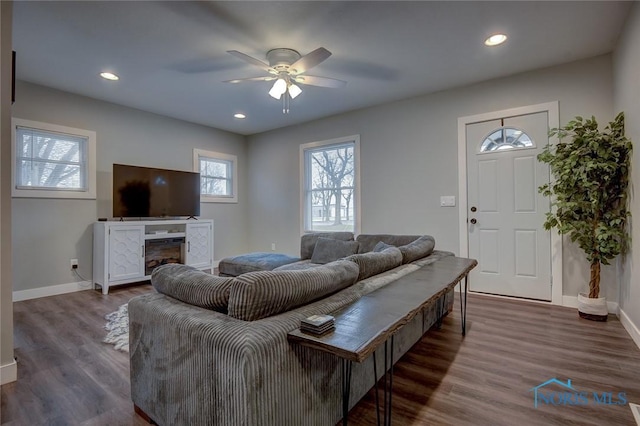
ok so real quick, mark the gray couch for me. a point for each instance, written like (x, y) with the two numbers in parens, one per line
(213, 350)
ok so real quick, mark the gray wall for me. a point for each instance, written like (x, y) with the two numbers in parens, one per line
(6, 305)
(47, 232)
(626, 96)
(409, 158)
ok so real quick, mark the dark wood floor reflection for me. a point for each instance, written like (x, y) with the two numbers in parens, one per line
(511, 347)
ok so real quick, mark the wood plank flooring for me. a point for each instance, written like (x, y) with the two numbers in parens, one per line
(66, 376)
(511, 347)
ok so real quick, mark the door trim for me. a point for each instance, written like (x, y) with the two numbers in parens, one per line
(553, 114)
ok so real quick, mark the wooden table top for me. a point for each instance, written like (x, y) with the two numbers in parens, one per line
(368, 322)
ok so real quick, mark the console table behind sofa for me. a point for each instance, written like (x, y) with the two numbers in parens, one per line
(362, 327)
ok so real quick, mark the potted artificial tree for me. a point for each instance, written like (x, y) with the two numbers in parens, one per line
(590, 170)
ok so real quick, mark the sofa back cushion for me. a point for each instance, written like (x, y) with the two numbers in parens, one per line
(298, 266)
(192, 286)
(257, 295)
(369, 241)
(422, 247)
(374, 263)
(308, 241)
(413, 247)
(329, 250)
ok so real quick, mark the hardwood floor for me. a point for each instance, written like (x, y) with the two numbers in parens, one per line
(511, 347)
(66, 376)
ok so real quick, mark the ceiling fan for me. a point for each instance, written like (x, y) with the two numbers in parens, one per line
(287, 67)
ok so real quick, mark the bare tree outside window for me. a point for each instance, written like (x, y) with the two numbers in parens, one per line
(331, 186)
(50, 160)
(347, 195)
(215, 177)
(218, 176)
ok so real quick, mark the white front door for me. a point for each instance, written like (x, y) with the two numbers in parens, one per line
(504, 209)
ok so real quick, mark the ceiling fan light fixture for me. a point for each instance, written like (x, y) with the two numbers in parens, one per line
(278, 89)
(285, 67)
(294, 91)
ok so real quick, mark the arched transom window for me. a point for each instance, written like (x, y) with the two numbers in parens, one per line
(506, 138)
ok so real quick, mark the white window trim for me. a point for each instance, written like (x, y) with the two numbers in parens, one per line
(204, 198)
(356, 196)
(89, 194)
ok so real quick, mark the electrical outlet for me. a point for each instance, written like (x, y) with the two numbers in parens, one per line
(74, 263)
(273, 246)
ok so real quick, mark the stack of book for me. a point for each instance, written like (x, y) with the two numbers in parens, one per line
(318, 324)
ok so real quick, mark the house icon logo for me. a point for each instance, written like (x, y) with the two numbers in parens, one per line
(536, 390)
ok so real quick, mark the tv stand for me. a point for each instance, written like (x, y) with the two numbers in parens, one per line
(126, 252)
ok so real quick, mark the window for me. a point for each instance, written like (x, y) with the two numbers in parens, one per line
(218, 176)
(506, 138)
(330, 185)
(52, 161)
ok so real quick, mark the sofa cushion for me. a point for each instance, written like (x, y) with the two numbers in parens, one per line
(417, 249)
(374, 263)
(298, 266)
(252, 262)
(381, 246)
(261, 294)
(192, 286)
(329, 250)
(369, 241)
(308, 241)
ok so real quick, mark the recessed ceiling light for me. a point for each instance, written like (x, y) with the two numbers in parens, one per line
(109, 76)
(239, 115)
(495, 40)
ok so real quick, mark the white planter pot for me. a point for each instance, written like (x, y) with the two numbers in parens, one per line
(593, 309)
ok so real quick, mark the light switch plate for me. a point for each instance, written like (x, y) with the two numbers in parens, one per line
(448, 201)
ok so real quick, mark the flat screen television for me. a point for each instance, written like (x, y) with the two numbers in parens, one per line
(148, 192)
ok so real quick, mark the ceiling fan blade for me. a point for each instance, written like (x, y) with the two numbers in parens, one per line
(240, 80)
(320, 81)
(252, 61)
(309, 61)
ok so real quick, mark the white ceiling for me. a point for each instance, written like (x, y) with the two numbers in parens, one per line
(171, 56)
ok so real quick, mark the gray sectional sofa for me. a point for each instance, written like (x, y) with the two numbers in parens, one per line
(213, 350)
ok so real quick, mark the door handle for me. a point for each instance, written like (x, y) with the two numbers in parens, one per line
(473, 221)
(473, 209)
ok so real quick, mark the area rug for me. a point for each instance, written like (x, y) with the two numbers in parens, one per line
(118, 328)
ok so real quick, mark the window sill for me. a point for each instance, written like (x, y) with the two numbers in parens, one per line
(206, 199)
(40, 193)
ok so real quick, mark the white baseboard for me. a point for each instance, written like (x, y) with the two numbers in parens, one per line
(631, 328)
(572, 302)
(34, 293)
(9, 373)
(54, 290)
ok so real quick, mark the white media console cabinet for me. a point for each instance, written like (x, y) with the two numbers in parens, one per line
(126, 252)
